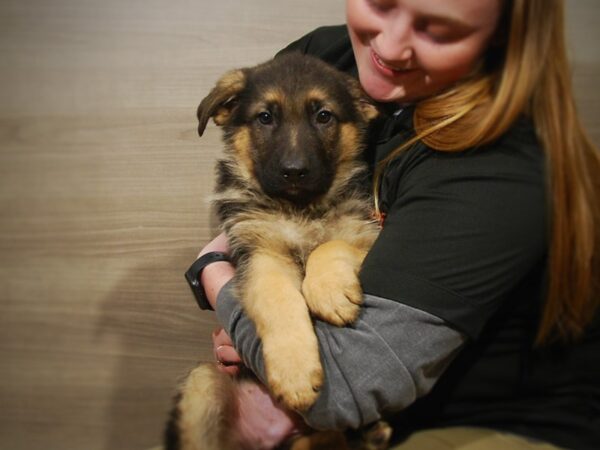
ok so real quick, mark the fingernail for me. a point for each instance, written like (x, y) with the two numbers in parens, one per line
(219, 352)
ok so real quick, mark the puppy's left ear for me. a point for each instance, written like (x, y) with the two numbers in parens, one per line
(219, 103)
(364, 104)
(367, 108)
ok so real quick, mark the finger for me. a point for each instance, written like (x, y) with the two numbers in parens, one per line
(216, 332)
(227, 355)
(220, 337)
(230, 370)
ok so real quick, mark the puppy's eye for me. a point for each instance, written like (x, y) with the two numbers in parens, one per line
(324, 116)
(265, 118)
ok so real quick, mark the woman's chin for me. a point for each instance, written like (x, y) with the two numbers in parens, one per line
(383, 92)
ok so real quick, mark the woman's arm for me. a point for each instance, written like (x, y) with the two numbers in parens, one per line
(389, 357)
(216, 275)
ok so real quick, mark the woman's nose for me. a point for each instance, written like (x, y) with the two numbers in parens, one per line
(394, 42)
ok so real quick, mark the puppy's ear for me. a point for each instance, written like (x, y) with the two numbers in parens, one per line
(363, 103)
(219, 103)
(367, 108)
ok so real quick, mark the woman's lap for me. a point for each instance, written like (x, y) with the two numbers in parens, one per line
(469, 438)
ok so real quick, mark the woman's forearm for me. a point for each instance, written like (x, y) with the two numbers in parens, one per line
(377, 365)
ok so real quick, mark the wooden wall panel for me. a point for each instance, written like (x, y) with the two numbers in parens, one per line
(103, 182)
(102, 199)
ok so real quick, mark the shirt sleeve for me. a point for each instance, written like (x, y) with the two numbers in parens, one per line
(389, 357)
(462, 232)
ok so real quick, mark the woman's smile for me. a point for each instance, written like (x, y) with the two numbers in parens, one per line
(389, 70)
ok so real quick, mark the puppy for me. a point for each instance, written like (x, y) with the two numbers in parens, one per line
(293, 197)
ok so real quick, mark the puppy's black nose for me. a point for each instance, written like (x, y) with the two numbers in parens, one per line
(294, 175)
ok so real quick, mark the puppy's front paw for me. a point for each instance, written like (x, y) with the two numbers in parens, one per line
(377, 437)
(334, 295)
(294, 380)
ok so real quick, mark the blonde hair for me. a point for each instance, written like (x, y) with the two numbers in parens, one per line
(532, 78)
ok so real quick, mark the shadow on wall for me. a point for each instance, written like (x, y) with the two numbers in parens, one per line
(162, 334)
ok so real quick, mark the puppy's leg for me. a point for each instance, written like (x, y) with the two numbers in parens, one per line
(321, 440)
(331, 286)
(205, 408)
(377, 437)
(272, 299)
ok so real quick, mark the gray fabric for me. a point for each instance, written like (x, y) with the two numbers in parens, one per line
(389, 357)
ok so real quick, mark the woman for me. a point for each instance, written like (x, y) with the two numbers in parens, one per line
(480, 318)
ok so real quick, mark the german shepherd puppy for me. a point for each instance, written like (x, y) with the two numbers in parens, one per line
(293, 197)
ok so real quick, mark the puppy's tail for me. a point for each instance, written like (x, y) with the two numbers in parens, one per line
(204, 409)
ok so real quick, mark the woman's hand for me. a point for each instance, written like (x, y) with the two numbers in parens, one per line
(216, 275)
(226, 355)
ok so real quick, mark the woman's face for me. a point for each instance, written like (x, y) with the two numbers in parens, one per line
(410, 49)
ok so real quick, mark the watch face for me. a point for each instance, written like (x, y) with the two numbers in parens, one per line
(193, 276)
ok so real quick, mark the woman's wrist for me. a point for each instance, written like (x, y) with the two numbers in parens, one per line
(217, 274)
(214, 277)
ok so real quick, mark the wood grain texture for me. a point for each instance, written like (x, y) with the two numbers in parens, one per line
(102, 199)
(103, 181)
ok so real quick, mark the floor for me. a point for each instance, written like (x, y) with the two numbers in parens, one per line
(103, 184)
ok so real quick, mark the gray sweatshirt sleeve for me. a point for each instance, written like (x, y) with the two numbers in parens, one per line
(389, 357)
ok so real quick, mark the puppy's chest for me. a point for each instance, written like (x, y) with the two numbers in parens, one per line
(305, 234)
(283, 233)
(297, 238)
(290, 235)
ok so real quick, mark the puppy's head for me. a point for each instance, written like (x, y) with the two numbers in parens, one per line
(290, 123)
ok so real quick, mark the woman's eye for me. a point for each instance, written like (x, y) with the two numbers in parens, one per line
(440, 36)
(324, 116)
(265, 118)
(440, 32)
(380, 5)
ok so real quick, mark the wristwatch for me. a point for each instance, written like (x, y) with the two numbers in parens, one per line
(193, 276)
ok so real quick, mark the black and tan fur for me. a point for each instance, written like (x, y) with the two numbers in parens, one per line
(293, 198)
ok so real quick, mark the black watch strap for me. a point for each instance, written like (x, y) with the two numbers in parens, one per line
(193, 276)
